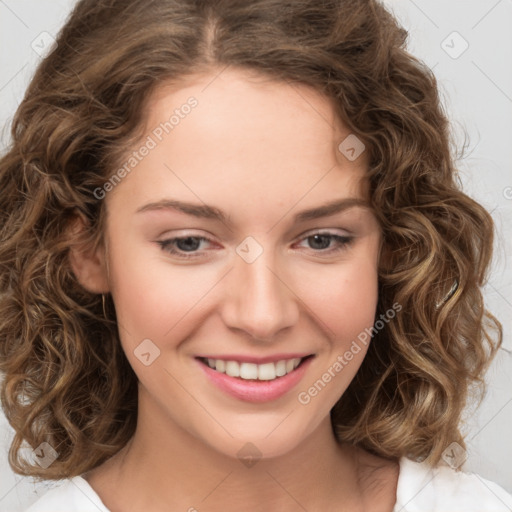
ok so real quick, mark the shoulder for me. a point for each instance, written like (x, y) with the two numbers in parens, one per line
(422, 487)
(73, 495)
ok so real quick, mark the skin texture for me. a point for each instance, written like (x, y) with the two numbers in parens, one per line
(261, 152)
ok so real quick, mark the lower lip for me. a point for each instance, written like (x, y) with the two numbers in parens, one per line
(256, 390)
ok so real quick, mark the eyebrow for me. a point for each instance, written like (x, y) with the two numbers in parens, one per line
(331, 208)
(197, 210)
(210, 212)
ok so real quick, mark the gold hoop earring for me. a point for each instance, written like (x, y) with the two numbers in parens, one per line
(103, 305)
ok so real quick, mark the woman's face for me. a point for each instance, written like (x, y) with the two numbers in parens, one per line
(239, 239)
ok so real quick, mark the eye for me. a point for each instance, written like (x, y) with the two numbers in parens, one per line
(327, 242)
(185, 246)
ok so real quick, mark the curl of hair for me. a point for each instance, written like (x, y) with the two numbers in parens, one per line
(66, 379)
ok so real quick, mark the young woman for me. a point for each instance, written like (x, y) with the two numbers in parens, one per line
(236, 271)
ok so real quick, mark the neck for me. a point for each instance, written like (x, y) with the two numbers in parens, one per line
(165, 467)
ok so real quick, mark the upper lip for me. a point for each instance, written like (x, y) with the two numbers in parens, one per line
(256, 359)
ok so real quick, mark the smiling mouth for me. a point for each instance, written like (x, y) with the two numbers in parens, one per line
(255, 372)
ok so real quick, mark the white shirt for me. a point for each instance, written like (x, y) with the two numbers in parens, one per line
(420, 489)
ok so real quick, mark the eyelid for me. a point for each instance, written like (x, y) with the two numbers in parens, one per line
(324, 231)
(166, 236)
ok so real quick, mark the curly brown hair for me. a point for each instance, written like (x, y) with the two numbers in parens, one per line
(66, 378)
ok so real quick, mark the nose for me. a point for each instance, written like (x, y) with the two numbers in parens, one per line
(258, 300)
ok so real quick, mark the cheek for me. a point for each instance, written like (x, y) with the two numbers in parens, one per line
(344, 301)
(344, 298)
(151, 296)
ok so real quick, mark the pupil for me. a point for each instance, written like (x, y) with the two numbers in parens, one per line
(319, 241)
(188, 244)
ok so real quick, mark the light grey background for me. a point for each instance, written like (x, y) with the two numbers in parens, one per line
(476, 85)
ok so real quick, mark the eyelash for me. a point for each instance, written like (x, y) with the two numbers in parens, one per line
(168, 245)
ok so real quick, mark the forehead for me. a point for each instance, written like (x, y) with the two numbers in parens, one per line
(244, 132)
(239, 101)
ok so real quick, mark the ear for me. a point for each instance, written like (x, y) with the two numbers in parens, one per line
(89, 264)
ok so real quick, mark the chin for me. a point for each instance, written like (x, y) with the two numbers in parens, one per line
(262, 439)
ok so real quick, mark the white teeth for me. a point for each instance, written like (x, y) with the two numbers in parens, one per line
(232, 369)
(251, 371)
(281, 368)
(267, 371)
(248, 371)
